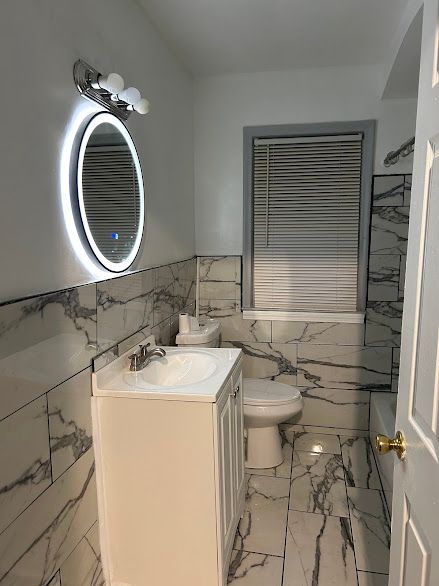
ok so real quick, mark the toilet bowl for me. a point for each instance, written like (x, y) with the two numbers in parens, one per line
(266, 404)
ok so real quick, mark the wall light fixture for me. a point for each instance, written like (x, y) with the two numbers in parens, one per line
(108, 91)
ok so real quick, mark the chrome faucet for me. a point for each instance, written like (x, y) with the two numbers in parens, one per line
(142, 358)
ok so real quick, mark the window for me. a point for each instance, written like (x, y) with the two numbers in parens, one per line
(307, 220)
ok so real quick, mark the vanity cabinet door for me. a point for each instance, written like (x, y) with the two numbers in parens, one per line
(238, 443)
(226, 461)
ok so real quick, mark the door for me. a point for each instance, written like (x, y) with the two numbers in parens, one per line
(238, 448)
(415, 526)
(226, 469)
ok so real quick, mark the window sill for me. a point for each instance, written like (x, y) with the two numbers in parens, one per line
(304, 316)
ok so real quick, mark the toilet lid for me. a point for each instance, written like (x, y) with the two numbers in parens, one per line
(267, 392)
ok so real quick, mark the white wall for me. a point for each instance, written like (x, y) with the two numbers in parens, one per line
(225, 104)
(39, 42)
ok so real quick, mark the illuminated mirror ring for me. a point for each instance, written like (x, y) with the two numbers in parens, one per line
(110, 192)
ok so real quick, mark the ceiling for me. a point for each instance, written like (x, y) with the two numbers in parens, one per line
(403, 80)
(234, 36)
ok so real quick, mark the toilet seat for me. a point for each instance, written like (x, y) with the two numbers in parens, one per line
(266, 393)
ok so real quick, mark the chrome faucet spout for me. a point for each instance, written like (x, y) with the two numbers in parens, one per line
(142, 358)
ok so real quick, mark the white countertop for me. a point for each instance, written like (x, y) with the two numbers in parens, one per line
(116, 380)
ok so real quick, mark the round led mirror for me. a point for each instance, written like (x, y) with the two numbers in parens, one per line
(110, 192)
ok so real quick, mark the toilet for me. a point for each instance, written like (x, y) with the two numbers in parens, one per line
(202, 333)
(266, 405)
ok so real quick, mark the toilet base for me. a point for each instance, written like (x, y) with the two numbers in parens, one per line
(264, 449)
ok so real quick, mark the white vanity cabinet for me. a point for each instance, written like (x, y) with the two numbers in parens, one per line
(170, 474)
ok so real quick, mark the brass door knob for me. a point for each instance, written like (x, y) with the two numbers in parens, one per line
(384, 444)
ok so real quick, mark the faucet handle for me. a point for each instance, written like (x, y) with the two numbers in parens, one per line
(134, 361)
(144, 348)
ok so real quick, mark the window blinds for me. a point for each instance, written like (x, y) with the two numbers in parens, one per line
(306, 214)
(111, 199)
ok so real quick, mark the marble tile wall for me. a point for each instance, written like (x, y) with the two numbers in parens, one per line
(335, 364)
(387, 257)
(48, 511)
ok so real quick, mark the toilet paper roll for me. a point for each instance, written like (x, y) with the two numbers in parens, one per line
(184, 323)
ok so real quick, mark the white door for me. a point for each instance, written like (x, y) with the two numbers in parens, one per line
(415, 523)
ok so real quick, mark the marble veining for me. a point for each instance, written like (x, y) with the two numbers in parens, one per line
(185, 284)
(262, 528)
(75, 305)
(344, 367)
(124, 305)
(383, 277)
(388, 190)
(25, 463)
(253, 569)
(220, 268)
(220, 278)
(47, 490)
(335, 407)
(389, 230)
(383, 323)
(359, 463)
(370, 529)
(271, 361)
(83, 567)
(294, 427)
(289, 332)
(44, 341)
(233, 326)
(319, 551)
(39, 541)
(56, 580)
(164, 295)
(317, 484)
(70, 421)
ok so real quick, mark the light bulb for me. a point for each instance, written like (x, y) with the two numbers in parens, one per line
(142, 106)
(112, 83)
(131, 95)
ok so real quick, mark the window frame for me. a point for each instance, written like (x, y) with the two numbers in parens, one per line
(250, 133)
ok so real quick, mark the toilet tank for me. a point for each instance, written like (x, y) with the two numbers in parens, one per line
(207, 335)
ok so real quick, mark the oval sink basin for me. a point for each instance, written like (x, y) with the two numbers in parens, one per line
(176, 369)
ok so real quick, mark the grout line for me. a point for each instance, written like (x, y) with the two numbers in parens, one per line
(381, 490)
(271, 555)
(44, 491)
(288, 509)
(349, 517)
(45, 392)
(48, 437)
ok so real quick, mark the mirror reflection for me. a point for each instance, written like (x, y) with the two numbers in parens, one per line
(111, 192)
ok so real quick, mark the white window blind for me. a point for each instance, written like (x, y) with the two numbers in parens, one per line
(111, 199)
(306, 216)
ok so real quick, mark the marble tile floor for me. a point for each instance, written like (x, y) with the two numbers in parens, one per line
(319, 519)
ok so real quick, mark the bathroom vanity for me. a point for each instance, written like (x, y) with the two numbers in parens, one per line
(170, 466)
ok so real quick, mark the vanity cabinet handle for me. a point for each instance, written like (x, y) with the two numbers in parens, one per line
(235, 392)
